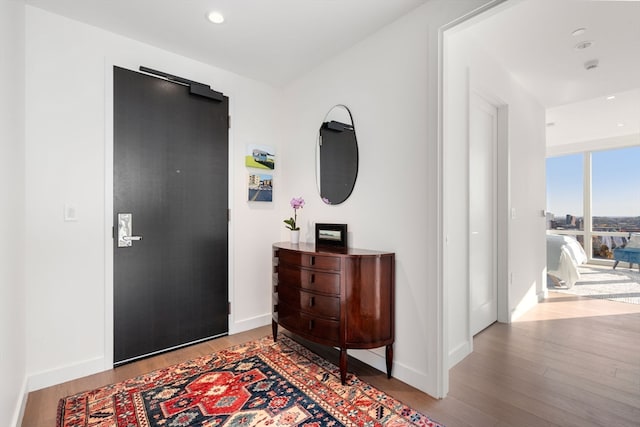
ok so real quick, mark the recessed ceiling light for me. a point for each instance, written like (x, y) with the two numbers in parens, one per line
(583, 45)
(620, 125)
(578, 31)
(215, 17)
(611, 97)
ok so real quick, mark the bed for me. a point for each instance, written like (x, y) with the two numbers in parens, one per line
(564, 255)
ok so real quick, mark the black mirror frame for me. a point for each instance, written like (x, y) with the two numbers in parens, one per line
(345, 149)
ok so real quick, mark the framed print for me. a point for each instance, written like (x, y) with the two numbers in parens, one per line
(331, 236)
(260, 187)
(260, 157)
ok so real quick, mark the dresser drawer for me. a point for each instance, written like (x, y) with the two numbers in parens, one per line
(313, 304)
(319, 281)
(306, 325)
(320, 262)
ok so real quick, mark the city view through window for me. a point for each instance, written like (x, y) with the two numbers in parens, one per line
(612, 190)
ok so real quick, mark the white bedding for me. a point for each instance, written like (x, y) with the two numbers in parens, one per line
(564, 255)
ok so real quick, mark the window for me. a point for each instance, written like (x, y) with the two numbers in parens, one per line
(615, 198)
(565, 192)
(595, 196)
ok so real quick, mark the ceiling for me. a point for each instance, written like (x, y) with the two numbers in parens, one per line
(277, 41)
(533, 40)
(273, 41)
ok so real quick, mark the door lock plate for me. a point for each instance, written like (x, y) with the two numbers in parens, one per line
(125, 237)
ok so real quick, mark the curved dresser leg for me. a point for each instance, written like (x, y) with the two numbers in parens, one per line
(274, 330)
(343, 365)
(389, 359)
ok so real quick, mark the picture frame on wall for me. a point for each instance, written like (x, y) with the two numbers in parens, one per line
(260, 157)
(260, 187)
(331, 236)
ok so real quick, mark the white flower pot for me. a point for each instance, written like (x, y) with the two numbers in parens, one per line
(295, 236)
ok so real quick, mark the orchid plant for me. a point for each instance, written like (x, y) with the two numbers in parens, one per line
(296, 203)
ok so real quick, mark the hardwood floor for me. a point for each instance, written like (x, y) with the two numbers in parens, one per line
(571, 361)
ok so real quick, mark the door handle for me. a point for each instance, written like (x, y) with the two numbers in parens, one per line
(125, 237)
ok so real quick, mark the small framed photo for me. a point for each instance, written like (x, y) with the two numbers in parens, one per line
(331, 236)
(260, 187)
(260, 157)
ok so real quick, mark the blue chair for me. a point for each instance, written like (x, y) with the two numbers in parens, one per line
(630, 253)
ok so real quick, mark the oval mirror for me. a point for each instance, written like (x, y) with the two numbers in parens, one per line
(336, 156)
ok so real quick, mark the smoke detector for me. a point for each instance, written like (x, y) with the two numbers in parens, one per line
(590, 65)
(578, 31)
(583, 45)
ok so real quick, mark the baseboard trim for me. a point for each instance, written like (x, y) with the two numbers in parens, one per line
(43, 379)
(250, 323)
(528, 301)
(460, 352)
(372, 358)
(404, 373)
(21, 404)
(544, 294)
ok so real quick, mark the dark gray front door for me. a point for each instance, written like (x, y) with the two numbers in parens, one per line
(171, 176)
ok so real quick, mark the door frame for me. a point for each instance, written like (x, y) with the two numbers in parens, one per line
(132, 64)
(443, 358)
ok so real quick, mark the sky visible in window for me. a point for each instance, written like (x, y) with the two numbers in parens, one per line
(615, 183)
(564, 185)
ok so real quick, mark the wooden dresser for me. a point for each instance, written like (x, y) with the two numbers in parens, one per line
(340, 299)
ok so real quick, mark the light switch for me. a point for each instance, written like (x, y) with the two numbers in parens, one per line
(70, 212)
(513, 213)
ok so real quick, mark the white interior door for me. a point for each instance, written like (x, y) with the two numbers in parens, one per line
(483, 139)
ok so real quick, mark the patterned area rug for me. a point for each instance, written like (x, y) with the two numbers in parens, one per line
(621, 284)
(260, 383)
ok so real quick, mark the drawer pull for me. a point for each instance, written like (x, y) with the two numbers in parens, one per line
(312, 260)
(311, 324)
(312, 278)
(312, 301)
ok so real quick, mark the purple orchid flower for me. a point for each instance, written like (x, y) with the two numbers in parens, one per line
(296, 203)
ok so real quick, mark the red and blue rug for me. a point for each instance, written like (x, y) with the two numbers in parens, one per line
(260, 383)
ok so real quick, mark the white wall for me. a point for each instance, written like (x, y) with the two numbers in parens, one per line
(389, 82)
(68, 121)
(468, 67)
(12, 225)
